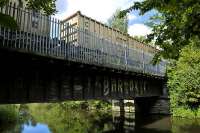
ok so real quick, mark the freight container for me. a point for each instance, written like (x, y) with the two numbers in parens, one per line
(91, 26)
(120, 49)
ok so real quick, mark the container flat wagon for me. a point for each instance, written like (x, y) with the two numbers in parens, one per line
(83, 31)
(90, 25)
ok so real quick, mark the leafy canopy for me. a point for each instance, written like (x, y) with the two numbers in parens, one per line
(175, 24)
(47, 6)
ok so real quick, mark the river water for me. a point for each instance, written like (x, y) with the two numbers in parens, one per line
(57, 118)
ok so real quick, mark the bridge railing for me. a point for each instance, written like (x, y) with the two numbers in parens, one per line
(47, 36)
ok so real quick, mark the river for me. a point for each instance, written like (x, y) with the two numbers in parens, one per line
(57, 118)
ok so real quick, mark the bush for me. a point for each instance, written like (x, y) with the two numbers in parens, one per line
(184, 82)
(184, 112)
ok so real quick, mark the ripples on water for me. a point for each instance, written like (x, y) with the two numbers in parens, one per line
(55, 118)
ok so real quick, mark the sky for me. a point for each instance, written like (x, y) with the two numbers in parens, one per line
(101, 10)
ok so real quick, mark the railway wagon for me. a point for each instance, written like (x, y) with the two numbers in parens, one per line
(91, 31)
(87, 24)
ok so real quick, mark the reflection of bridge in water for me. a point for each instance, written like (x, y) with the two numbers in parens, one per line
(125, 121)
(38, 65)
(128, 105)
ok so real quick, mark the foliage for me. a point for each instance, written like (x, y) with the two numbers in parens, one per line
(59, 118)
(174, 25)
(143, 40)
(8, 21)
(100, 105)
(198, 114)
(3, 2)
(140, 39)
(176, 30)
(62, 119)
(8, 113)
(120, 23)
(91, 104)
(46, 6)
(75, 104)
(184, 79)
(95, 104)
(184, 112)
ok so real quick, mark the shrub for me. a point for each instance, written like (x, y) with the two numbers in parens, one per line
(184, 82)
(184, 112)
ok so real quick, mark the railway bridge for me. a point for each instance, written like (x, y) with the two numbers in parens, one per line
(38, 64)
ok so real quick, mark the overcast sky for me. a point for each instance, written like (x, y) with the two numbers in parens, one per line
(101, 10)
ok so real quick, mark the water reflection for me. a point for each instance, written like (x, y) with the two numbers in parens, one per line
(38, 128)
(58, 118)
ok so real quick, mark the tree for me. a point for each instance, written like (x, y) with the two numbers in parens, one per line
(175, 24)
(47, 6)
(184, 81)
(176, 30)
(120, 23)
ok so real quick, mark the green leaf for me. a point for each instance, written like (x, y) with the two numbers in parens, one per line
(8, 21)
